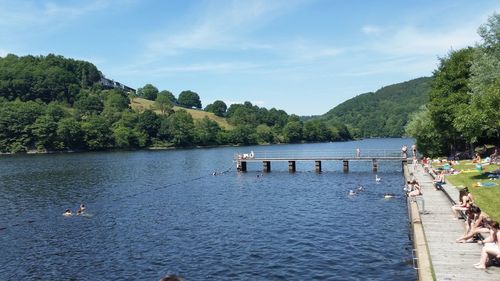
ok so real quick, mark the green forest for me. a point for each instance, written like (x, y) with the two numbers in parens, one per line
(52, 103)
(383, 113)
(463, 111)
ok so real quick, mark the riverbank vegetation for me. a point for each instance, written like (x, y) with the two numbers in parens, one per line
(485, 190)
(51, 103)
(464, 100)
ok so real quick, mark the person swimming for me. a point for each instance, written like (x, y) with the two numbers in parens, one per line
(361, 188)
(67, 213)
(81, 209)
(352, 192)
(389, 195)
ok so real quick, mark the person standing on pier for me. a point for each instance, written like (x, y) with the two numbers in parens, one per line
(358, 152)
(404, 150)
(414, 148)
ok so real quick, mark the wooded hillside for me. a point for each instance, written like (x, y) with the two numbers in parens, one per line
(383, 113)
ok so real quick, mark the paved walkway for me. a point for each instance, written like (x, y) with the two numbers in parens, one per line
(450, 260)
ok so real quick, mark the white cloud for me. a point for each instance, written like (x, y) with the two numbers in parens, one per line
(29, 14)
(3, 53)
(218, 27)
(412, 41)
(370, 29)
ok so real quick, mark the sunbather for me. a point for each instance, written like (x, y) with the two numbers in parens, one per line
(491, 246)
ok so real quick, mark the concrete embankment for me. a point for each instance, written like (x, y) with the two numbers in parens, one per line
(435, 230)
(421, 257)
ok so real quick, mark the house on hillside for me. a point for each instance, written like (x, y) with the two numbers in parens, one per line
(108, 83)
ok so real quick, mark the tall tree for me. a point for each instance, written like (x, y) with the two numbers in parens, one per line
(169, 95)
(189, 99)
(181, 128)
(449, 92)
(163, 104)
(148, 92)
(218, 108)
(481, 119)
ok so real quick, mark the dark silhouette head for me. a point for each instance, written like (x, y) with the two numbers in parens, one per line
(172, 277)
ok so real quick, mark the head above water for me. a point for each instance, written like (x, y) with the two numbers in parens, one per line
(172, 278)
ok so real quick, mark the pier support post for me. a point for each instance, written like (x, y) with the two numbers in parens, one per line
(266, 166)
(241, 166)
(318, 166)
(374, 165)
(291, 166)
(346, 165)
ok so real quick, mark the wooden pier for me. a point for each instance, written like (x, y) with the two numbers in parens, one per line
(292, 157)
(438, 256)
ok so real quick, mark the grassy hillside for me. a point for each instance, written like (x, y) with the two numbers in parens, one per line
(383, 113)
(142, 104)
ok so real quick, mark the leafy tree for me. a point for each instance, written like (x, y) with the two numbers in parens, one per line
(148, 92)
(425, 133)
(169, 95)
(218, 108)
(97, 133)
(89, 105)
(243, 134)
(15, 120)
(449, 91)
(243, 114)
(149, 123)
(116, 99)
(163, 104)
(292, 132)
(181, 128)
(264, 134)
(481, 119)
(189, 99)
(45, 133)
(206, 131)
(316, 131)
(70, 134)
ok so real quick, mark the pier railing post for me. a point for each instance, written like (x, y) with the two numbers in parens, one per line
(374, 165)
(346, 165)
(266, 166)
(317, 164)
(241, 166)
(291, 166)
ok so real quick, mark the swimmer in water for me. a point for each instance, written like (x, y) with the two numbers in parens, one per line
(361, 188)
(67, 213)
(82, 208)
(352, 193)
(389, 195)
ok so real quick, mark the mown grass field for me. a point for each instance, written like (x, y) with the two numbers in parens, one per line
(487, 198)
(141, 104)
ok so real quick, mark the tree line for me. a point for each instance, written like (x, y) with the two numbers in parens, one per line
(51, 103)
(463, 111)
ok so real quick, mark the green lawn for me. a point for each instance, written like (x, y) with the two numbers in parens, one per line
(487, 198)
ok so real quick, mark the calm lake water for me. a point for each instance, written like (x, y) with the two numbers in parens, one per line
(152, 213)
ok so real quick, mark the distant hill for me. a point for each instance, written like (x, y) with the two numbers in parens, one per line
(383, 113)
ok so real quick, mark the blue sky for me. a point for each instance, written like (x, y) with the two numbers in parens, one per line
(303, 56)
